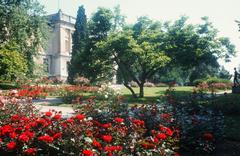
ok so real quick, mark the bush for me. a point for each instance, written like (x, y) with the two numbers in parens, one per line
(8, 86)
(12, 64)
(210, 80)
(149, 84)
(107, 133)
(133, 84)
(161, 85)
(82, 81)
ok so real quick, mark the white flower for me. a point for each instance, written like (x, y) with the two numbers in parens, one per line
(106, 96)
(87, 139)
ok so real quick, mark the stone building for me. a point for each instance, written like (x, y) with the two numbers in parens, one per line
(58, 53)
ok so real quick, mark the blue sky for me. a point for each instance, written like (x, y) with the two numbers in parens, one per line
(222, 13)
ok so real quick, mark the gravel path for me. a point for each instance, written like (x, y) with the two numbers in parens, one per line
(42, 105)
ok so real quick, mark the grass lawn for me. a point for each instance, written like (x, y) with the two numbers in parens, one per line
(151, 94)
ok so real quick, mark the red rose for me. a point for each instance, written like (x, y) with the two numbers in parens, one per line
(70, 120)
(46, 138)
(208, 136)
(11, 145)
(13, 135)
(119, 120)
(96, 143)
(23, 138)
(57, 135)
(107, 125)
(80, 116)
(87, 152)
(161, 136)
(15, 118)
(57, 116)
(31, 151)
(49, 114)
(138, 122)
(107, 138)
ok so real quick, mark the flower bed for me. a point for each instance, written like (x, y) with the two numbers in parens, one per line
(108, 128)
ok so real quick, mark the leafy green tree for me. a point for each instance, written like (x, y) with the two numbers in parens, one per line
(80, 43)
(12, 63)
(24, 23)
(196, 47)
(100, 25)
(136, 61)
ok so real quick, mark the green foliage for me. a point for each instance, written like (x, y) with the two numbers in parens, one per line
(12, 64)
(8, 86)
(211, 80)
(80, 43)
(135, 52)
(85, 61)
(24, 23)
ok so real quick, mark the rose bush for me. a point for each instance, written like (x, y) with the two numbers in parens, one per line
(108, 132)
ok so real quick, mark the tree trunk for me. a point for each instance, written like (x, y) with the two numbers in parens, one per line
(141, 90)
(131, 90)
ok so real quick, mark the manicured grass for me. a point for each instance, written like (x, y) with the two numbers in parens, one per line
(151, 94)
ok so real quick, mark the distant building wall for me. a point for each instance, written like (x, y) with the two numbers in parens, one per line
(59, 49)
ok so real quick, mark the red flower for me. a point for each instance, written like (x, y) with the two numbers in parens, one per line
(208, 136)
(57, 135)
(113, 148)
(11, 145)
(57, 116)
(49, 114)
(161, 136)
(6, 129)
(15, 118)
(87, 152)
(107, 138)
(45, 138)
(70, 120)
(13, 135)
(96, 144)
(31, 151)
(138, 122)
(119, 120)
(165, 115)
(107, 125)
(80, 116)
(23, 138)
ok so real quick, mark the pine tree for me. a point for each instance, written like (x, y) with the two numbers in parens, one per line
(80, 41)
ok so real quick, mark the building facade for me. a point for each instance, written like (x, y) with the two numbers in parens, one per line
(57, 55)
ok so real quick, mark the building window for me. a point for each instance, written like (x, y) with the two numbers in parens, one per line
(46, 65)
(68, 40)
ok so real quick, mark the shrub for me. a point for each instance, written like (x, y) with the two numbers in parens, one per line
(82, 81)
(105, 134)
(133, 84)
(161, 85)
(12, 64)
(211, 80)
(149, 84)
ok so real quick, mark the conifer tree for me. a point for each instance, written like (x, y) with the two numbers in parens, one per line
(80, 41)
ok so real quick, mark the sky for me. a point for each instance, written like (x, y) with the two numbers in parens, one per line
(222, 13)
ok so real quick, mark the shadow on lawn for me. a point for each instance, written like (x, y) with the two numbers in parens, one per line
(153, 99)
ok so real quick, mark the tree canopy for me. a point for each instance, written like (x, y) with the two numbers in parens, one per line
(23, 22)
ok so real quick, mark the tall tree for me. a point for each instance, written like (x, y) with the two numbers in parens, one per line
(138, 60)
(80, 43)
(24, 23)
